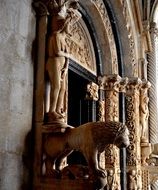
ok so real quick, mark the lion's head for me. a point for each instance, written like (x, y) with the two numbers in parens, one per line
(122, 137)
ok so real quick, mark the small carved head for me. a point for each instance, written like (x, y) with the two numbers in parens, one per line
(110, 172)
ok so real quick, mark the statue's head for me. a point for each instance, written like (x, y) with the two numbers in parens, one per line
(122, 137)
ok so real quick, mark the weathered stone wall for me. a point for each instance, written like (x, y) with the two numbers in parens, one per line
(17, 31)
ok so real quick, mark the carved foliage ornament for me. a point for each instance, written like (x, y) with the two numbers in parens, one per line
(132, 112)
(130, 115)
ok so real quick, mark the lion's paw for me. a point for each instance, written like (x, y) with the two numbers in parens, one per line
(100, 173)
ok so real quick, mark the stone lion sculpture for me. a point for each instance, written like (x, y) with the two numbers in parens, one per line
(90, 139)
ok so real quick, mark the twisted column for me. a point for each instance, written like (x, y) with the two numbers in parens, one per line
(154, 185)
(153, 118)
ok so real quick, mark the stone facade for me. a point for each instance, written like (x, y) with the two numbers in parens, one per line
(113, 42)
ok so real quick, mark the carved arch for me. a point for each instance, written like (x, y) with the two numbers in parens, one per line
(104, 34)
(126, 37)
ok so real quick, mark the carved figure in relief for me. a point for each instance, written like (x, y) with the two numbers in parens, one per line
(139, 180)
(90, 138)
(144, 114)
(132, 180)
(110, 180)
(110, 155)
(57, 62)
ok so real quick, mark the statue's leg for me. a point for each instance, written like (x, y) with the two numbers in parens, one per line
(91, 157)
(53, 67)
(49, 163)
(99, 166)
(61, 158)
(60, 102)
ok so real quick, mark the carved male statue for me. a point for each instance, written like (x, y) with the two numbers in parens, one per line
(57, 62)
(144, 114)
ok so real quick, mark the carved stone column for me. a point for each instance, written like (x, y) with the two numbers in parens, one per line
(132, 122)
(41, 29)
(153, 119)
(154, 185)
(39, 85)
(110, 84)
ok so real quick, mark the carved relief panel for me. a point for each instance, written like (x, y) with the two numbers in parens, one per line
(80, 47)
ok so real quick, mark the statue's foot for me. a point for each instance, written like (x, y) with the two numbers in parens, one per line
(53, 116)
(56, 115)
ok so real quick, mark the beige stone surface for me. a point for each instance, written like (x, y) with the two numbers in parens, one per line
(17, 31)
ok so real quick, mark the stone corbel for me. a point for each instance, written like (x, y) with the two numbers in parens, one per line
(92, 91)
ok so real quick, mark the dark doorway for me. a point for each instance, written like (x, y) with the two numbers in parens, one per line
(80, 110)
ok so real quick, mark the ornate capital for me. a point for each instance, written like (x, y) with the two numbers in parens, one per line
(123, 84)
(40, 8)
(55, 8)
(109, 82)
(145, 86)
(133, 85)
